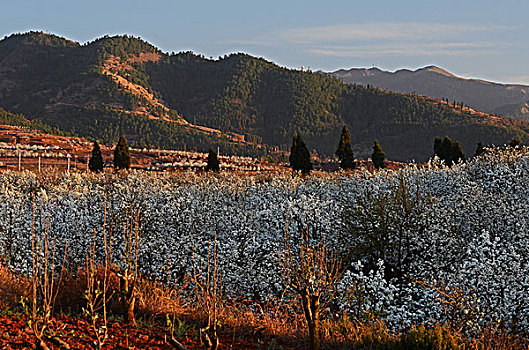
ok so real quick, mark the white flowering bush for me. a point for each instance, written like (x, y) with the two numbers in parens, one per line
(463, 228)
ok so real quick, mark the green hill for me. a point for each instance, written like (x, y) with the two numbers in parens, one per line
(122, 84)
(8, 118)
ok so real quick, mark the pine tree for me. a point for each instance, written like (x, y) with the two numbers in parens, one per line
(213, 161)
(479, 150)
(447, 150)
(96, 161)
(344, 151)
(378, 157)
(457, 153)
(299, 156)
(122, 154)
(515, 142)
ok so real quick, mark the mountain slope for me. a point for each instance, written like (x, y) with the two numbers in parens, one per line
(518, 110)
(123, 85)
(436, 82)
(77, 88)
(242, 94)
(8, 118)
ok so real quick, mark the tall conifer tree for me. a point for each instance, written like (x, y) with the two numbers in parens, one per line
(457, 152)
(300, 156)
(213, 161)
(449, 151)
(122, 154)
(515, 142)
(96, 161)
(344, 151)
(378, 157)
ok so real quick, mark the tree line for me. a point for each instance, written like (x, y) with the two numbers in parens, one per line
(300, 156)
(445, 149)
(122, 158)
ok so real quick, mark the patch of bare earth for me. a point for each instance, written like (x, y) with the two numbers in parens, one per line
(115, 65)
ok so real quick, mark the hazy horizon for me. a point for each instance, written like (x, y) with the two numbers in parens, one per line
(483, 42)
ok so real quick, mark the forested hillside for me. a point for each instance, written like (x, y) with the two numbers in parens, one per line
(19, 120)
(123, 85)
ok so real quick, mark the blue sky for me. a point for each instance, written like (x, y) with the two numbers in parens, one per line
(481, 39)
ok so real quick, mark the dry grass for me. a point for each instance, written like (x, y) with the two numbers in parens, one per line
(156, 299)
(374, 334)
(13, 287)
(275, 319)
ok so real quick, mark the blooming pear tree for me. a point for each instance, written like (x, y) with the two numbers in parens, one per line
(405, 237)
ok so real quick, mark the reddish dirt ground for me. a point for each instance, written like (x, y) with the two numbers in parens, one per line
(15, 334)
(33, 144)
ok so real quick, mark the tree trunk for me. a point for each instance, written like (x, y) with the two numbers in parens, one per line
(313, 338)
(315, 307)
(311, 306)
(209, 338)
(128, 299)
(129, 307)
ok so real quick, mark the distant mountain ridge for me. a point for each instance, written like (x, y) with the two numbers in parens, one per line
(505, 99)
(243, 104)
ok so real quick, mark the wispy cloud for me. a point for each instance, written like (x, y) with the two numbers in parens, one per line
(405, 49)
(385, 39)
(380, 31)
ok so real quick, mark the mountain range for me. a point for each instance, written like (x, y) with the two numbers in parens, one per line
(505, 99)
(240, 103)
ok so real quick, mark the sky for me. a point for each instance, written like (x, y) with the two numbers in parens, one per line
(475, 39)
